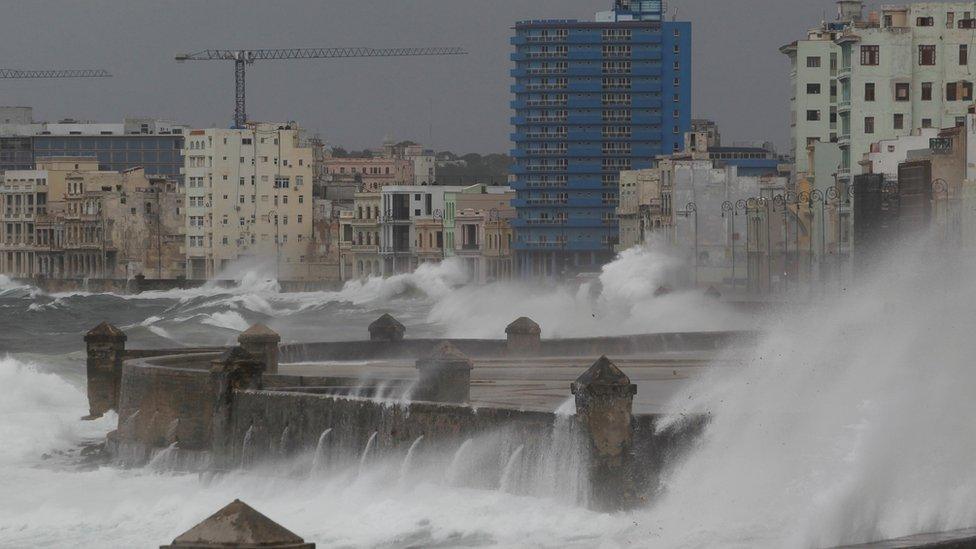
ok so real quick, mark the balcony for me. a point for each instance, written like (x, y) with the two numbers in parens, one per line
(365, 248)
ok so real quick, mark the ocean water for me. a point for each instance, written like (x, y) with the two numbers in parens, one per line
(851, 419)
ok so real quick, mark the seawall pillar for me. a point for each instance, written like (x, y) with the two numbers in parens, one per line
(238, 525)
(386, 328)
(262, 342)
(234, 370)
(524, 336)
(445, 375)
(604, 410)
(105, 347)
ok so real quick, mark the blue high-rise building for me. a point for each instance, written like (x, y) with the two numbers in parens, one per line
(591, 99)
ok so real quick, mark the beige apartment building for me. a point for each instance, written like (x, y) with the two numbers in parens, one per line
(249, 202)
(67, 219)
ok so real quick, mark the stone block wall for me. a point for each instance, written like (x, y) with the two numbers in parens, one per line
(161, 404)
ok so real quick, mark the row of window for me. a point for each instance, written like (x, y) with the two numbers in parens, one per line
(955, 91)
(871, 56)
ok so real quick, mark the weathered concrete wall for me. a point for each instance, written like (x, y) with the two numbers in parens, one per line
(167, 400)
(285, 422)
(486, 348)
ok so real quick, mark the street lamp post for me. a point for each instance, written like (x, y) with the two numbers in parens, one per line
(494, 218)
(941, 186)
(804, 197)
(439, 216)
(764, 203)
(743, 205)
(692, 209)
(818, 195)
(780, 200)
(729, 208)
(274, 213)
(833, 194)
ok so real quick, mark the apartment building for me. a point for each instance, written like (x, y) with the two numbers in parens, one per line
(249, 201)
(860, 80)
(361, 243)
(69, 219)
(592, 98)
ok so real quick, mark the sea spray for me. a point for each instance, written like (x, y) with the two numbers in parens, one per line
(320, 459)
(363, 460)
(454, 469)
(849, 421)
(247, 449)
(408, 460)
(510, 474)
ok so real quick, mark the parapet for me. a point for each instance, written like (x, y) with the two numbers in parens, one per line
(386, 328)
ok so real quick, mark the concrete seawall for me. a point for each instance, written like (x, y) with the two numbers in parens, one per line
(229, 408)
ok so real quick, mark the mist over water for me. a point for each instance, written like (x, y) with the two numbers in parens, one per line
(851, 420)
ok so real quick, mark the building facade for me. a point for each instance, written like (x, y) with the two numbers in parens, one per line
(249, 201)
(591, 99)
(156, 146)
(71, 220)
(860, 80)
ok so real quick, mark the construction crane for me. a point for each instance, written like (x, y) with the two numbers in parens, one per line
(242, 58)
(54, 73)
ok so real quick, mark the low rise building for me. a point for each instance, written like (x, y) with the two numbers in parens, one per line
(71, 220)
(483, 232)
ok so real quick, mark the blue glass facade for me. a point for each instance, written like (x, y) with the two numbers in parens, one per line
(591, 99)
(159, 155)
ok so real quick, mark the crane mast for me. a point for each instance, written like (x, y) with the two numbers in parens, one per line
(242, 58)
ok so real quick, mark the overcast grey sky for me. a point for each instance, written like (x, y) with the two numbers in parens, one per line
(740, 78)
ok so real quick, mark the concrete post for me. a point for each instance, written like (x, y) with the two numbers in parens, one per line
(524, 336)
(236, 369)
(262, 342)
(445, 375)
(386, 328)
(238, 525)
(105, 346)
(604, 403)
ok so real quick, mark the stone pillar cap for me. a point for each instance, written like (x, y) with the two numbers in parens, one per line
(238, 525)
(713, 292)
(603, 375)
(662, 290)
(259, 332)
(386, 321)
(445, 353)
(105, 331)
(523, 325)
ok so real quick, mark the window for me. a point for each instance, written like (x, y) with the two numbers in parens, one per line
(888, 21)
(925, 22)
(926, 55)
(963, 54)
(950, 19)
(902, 91)
(813, 116)
(899, 122)
(967, 91)
(868, 124)
(870, 55)
(869, 91)
(813, 89)
(951, 89)
(813, 62)
(926, 91)
(926, 122)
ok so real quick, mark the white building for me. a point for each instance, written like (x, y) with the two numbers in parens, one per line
(249, 201)
(858, 81)
(402, 208)
(886, 154)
